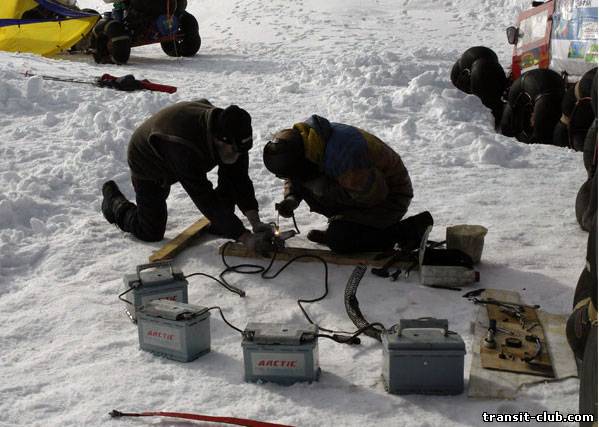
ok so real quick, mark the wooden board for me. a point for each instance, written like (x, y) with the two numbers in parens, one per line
(492, 384)
(182, 241)
(505, 358)
(369, 258)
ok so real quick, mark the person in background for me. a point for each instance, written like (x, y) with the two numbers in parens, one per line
(350, 176)
(182, 143)
(119, 8)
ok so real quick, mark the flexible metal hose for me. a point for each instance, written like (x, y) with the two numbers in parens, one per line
(352, 306)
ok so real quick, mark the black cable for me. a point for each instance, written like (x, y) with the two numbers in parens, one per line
(295, 224)
(346, 337)
(352, 338)
(255, 269)
(221, 282)
(126, 292)
(224, 319)
(307, 301)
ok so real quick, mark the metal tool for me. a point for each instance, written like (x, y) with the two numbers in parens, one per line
(538, 348)
(489, 341)
(504, 331)
(513, 342)
(383, 271)
(506, 304)
(279, 237)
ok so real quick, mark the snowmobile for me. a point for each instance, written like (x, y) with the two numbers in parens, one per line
(134, 23)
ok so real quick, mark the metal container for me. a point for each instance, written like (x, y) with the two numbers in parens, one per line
(280, 353)
(421, 356)
(445, 267)
(447, 275)
(175, 330)
(159, 280)
(470, 239)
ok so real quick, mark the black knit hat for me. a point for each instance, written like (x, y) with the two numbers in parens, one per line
(284, 155)
(234, 126)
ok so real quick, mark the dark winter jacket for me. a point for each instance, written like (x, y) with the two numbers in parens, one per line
(361, 178)
(176, 145)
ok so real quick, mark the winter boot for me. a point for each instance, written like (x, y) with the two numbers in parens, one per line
(317, 236)
(114, 203)
(409, 231)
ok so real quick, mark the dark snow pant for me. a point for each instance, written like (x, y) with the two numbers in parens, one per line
(346, 237)
(147, 220)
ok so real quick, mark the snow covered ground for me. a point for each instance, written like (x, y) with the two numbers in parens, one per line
(68, 355)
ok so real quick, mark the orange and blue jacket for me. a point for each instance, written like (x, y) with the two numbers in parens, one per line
(361, 179)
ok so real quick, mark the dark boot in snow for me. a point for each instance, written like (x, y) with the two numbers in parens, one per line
(409, 231)
(114, 203)
(317, 236)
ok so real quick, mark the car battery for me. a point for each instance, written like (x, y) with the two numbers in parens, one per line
(159, 280)
(422, 356)
(175, 330)
(280, 353)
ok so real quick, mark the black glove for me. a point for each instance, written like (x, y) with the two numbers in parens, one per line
(286, 207)
(257, 225)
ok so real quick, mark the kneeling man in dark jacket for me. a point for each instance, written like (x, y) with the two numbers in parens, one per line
(182, 143)
(350, 176)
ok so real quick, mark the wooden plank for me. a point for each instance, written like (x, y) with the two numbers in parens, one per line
(285, 254)
(173, 247)
(492, 384)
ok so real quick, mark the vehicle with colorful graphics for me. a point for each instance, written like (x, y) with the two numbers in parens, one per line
(558, 34)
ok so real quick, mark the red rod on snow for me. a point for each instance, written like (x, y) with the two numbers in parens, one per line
(197, 417)
(126, 83)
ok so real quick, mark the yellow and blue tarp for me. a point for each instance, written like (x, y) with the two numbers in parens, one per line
(47, 36)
